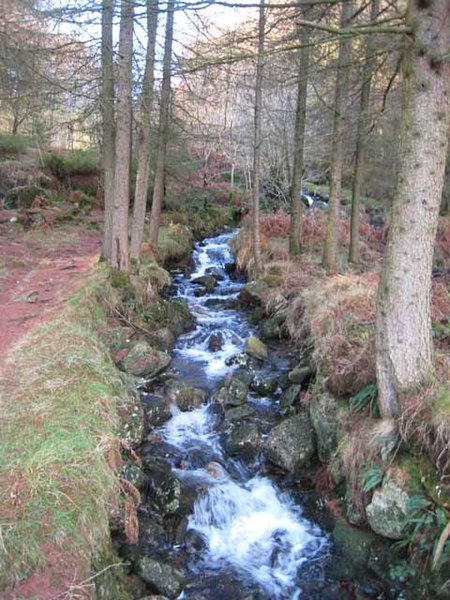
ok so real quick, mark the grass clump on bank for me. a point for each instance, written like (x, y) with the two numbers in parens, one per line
(58, 433)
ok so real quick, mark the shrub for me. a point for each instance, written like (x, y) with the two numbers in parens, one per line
(13, 144)
(76, 163)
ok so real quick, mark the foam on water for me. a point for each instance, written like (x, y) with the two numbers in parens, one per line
(258, 531)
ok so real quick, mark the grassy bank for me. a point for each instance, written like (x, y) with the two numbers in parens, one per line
(62, 430)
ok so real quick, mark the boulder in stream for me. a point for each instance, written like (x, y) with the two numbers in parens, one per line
(245, 441)
(141, 360)
(256, 348)
(265, 384)
(185, 396)
(160, 576)
(156, 409)
(234, 390)
(216, 342)
(163, 488)
(208, 282)
(291, 444)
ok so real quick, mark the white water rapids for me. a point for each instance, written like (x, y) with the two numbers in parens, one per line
(247, 523)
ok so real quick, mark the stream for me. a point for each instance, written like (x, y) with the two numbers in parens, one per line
(239, 529)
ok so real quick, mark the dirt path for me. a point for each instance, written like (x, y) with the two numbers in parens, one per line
(39, 271)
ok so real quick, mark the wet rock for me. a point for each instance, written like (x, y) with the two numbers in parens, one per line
(255, 348)
(179, 317)
(194, 542)
(216, 342)
(353, 546)
(387, 513)
(141, 360)
(254, 293)
(131, 420)
(265, 384)
(156, 409)
(230, 268)
(163, 488)
(291, 444)
(245, 441)
(134, 474)
(216, 273)
(208, 282)
(152, 536)
(160, 576)
(154, 598)
(300, 374)
(324, 412)
(234, 390)
(238, 413)
(289, 397)
(186, 397)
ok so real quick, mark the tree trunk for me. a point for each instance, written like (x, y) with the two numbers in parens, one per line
(108, 145)
(257, 138)
(119, 254)
(337, 150)
(403, 324)
(361, 136)
(143, 170)
(299, 143)
(163, 132)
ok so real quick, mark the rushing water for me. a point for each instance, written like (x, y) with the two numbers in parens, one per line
(249, 525)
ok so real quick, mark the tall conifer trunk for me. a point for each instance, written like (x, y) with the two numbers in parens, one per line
(119, 254)
(143, 170)
(361, 136)
(299, 143)
(108, 142)
(403, 324)
(257, 140)
(163, 132)
(337, 150)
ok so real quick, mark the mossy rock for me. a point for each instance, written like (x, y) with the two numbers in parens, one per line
(142, 360)
(245, 441)
(256, 348)
(324, 412)
(291, 444)
(234, 390)
(160, 576)
(186, 397)
(289, 397)
(388, 511)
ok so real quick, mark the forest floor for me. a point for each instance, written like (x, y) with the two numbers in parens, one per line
(39, 270)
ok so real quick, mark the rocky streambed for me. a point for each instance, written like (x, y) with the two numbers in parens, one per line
(228, 506)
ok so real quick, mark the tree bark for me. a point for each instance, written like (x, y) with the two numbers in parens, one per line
(257, 139)
(119, 253)
(163, 132)
(337, 150)
(361, 136)
(299, 143)
(403, 324)
(108, 145)
(143, 169)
